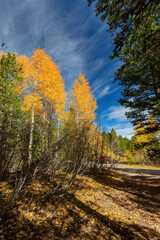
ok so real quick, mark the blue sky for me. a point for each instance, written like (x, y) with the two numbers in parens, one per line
(76, 40)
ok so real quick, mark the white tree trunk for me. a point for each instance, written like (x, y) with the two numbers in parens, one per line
(31, 138)
(58, 131)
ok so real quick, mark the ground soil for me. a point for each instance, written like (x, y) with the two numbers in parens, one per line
(116, 204)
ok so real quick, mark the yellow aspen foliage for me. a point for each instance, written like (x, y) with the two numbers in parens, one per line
(95, 139)
(1, 53)
(42, 83)
(83, 100)
(51, 82)
(32, 101)
(141, 135)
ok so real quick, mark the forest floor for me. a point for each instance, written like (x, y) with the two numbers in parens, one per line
(111, 205)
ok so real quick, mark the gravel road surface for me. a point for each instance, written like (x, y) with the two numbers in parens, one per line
(135, 171)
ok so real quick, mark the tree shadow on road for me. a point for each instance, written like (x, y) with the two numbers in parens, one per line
(153, 172)
(115, 228)
(144, 191)
(72, 218)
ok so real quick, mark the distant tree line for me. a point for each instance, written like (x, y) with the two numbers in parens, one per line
(117, 144)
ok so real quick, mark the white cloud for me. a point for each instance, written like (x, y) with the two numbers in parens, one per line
(117, 113)
(125, 131)
(65, 35)
(33, 23)
(73, 36)
(115, 118)
(100, 89)
(44, 28)
(64, 53)
(105, 90)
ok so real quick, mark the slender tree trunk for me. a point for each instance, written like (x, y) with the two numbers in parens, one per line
(23, 178)
(30, 152)
(58, 131)
(57, 138)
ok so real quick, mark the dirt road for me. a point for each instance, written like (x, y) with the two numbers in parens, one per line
(140, 172)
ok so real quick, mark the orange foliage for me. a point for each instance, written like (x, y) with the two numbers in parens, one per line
(32, 101)
(83, 100)
(42, 83)
(141, 135)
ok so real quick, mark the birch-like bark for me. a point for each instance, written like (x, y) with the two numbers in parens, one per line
(57, 139)
(31, 139)
(23, 178)
(58, 131)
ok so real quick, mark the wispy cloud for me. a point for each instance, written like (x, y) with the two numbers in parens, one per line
(73, 36)
(102, 91)
(125, 132)
(117, 113)
(76, 45)
(115, 118)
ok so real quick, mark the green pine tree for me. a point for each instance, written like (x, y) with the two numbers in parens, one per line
(135, 28)
(11, 114)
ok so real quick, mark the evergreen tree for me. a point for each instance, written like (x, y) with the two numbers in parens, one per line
(135, 27)
(140, 76)
(11, 115)
(122, 145)
(113, 140)
(125, 16)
